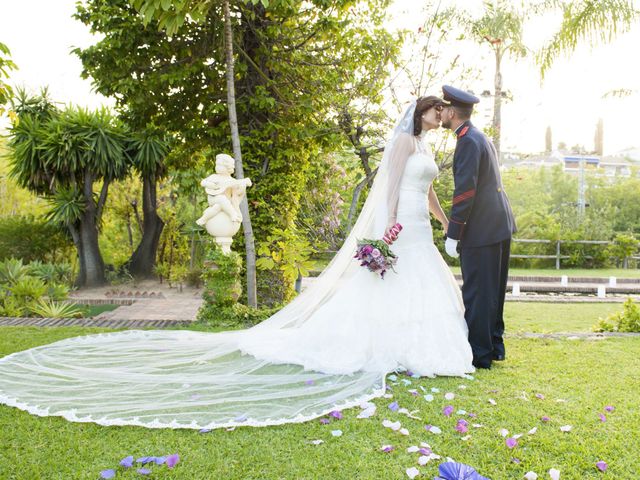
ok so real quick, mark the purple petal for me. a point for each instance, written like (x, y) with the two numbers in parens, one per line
(425, 451)
(447, 411)
(394, 407)
(387, 448)
(144, 471)
(511, 442)
(127, 462)
(205, 430)
(458, 471)
(516, 460)
(539, 396)
(609, 408)
(160, 460)
(144, 460)
(172, 460)
(325, 421)
(602, 466)
(337, 414)
(309, 382)
(545, 419)
(603, 418)
(108, 473)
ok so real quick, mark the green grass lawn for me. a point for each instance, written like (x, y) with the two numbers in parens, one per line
(585, 375)
(555, 317)
(94, 310)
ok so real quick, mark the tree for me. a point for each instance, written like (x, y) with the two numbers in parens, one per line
(6, 65)
(501, 28)
(548, 140)
(596, 21)
(148, 151)
(61, 155)
(598, 138)
(295, 65)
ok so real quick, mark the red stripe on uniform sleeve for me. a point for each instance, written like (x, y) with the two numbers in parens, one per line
(463, 196)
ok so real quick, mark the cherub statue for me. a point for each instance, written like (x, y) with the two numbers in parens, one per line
(222, 219)
(224, 192)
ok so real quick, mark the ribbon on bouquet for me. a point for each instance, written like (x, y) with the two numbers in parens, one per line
(392, 234)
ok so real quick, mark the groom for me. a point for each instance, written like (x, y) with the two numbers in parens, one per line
(480, 228)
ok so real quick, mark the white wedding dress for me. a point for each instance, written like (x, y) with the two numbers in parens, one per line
(329, 349)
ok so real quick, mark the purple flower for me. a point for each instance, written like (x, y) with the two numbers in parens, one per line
(447, 411)
(337, 414)
(603, 418)
(545, 419)
(127, 462)
(172, 460)
(387, 448)
(111, 473)
(325, 421)
(159, 460)
(602, 466)
(462, 428)
(511, 442)
(144, 460)
(539, 396)
(394, 407)
(366, 250)
(457, 471)
(425, 451)
(144, 471)
(609, 408)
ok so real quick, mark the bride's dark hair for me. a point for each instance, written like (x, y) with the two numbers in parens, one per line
(422, 105)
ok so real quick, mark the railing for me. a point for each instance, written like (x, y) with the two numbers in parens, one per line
(558, 256)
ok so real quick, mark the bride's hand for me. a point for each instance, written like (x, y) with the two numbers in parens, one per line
(389, 234)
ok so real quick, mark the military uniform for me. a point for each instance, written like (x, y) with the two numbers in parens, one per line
(482, 221)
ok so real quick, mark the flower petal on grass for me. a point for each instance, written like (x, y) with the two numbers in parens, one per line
(435, 390)
(602, 466)
(204, 430)
(144, 471)
(609, 408)
(603, 417)
(392, 377)
(447, 411)
(449, 396)
(316, 442)
(393, 406)
(428, 398)
(127, 462)
(337, 414)
(539, 396)
(111, 473)
(545, 419)
(566, 428)
(325, 421)
(387, 448)
(413, 449)
(404, 431)
(172, 460)
(412, 472)
(511, 442)
(554, 474)
(336, 433)
(531, 476)
(455, 471)
(433, 429)
(492, 401)
(533, 431)
(159, 460)
(504, 432)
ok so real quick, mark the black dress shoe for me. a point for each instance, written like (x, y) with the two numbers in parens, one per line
(486, 366)
(498, 357)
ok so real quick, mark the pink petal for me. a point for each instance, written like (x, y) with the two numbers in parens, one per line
(609, 408)
(602, 466)
(603, 418)
(511, 442)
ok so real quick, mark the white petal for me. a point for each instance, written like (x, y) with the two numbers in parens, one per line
(449, 396)
(461, 412)
(492, 401)
(336, 433)
(465, 438)
(423, 460)
(566, 428)
(531, 476)
(462, 387)
(554, 474)
(477, 425)
(403, 410)
(369, 412)
(413, 472)
(413, 449)
(428, 398)
(425, 445)
(404, 431)
(435, 430)
(387, 395)
(317, 442)
(517, 436)
(435, 390)
(503, 432)
(533, 431)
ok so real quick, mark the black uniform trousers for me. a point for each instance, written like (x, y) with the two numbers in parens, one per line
(484, 273)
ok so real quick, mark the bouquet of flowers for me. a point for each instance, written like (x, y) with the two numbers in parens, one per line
(376, 254)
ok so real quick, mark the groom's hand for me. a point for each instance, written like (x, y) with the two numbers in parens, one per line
(451, 247)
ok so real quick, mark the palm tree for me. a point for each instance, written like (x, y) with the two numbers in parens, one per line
(61, 155)
(148, 151)
(5, 66)
(501, 28)
(597, 21)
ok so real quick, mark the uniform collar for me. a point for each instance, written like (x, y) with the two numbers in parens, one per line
(462, 128)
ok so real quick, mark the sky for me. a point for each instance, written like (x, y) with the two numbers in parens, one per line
(570, 100)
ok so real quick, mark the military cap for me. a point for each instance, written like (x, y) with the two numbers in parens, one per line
(458, 98)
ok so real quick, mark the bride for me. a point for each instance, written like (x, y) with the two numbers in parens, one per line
(329, 349)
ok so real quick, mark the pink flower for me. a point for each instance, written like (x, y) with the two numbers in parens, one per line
(511, 442)
(602, 466)
(375, 253)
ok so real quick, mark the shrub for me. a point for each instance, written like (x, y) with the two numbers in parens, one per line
(626, 321)
(50, 309)
(30, 239)
(234, 316)
(28, 289)
(12, 270)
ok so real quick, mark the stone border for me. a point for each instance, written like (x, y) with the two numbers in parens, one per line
(89, 322)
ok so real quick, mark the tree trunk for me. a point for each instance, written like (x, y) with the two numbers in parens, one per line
(143, 260)
(252, 299)
(497, 104)
(91, 263)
